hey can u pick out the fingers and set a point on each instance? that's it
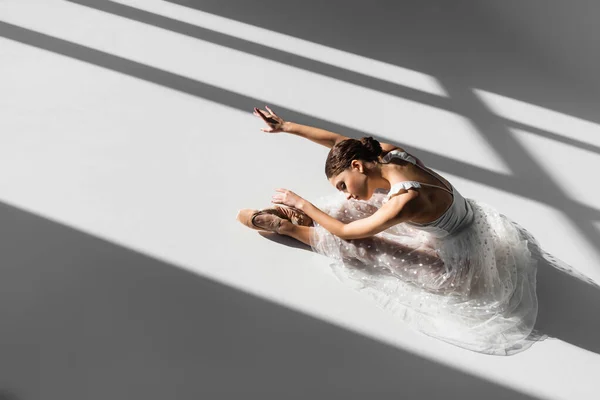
(272, 122)
(260, 114)
(281, 196)
(277, 199)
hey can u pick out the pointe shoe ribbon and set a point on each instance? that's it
(248, 217)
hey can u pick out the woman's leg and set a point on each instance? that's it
(425, 256)
(301, 233)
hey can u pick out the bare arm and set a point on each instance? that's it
(317, 135)
(391, 213)
(323, 137)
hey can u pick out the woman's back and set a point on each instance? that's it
(432, 201)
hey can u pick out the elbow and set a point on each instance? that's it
(342, 234)
(356, 231)
(351, 235)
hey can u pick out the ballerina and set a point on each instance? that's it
(449, 266)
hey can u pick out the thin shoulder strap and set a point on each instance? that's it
(435, 176)
(403, 155)
(437, 186)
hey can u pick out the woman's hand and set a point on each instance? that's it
(288, 198)
(274, 122)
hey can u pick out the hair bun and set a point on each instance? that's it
(371, 147)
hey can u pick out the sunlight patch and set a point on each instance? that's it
(236, 73)
(542, 118)
(289, 44)
(570, 167)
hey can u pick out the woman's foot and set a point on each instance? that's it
(263, 220)
(294, 215)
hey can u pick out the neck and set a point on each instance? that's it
(382, 177)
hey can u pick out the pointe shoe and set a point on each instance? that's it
(292, 214)
(260, 220)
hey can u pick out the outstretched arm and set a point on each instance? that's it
(317, 135)
(391, 213)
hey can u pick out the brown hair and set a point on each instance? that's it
(341, 155)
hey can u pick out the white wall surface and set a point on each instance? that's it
(128, 145)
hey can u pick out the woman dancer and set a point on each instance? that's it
(449, 266)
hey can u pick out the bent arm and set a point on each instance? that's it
(323, 137)
(320, 136)
(390, 214)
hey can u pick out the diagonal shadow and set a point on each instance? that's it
(436, 37)
(465, 104)
(266, 52)
(554, 289)
(307, 64)
(555, 323)
(550, 135)
(561, 295)
(576, 211)
(550, 279)
(84, 318)
(494, 132)
(245, 103)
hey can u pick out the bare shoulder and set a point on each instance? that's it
(403, 196)
(386, 148)
(402, 204)
(391, 147)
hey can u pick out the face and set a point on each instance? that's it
(353, 182)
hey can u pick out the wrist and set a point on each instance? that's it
(302, 205)
(287, 127)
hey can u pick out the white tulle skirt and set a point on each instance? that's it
(474, 289)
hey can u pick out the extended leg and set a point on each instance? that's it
(301, 233)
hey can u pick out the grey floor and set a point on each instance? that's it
(128, 145)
